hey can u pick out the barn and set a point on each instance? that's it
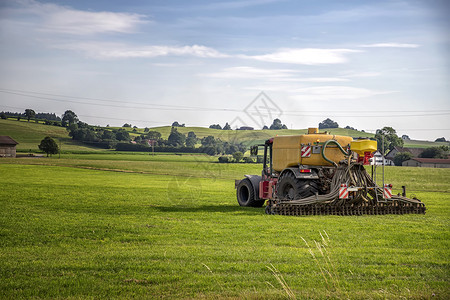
(7, 146)
(427, 163)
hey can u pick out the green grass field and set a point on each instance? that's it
(168, 226)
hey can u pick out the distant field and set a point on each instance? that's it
(424, 144)
(29, 135)
(168, 226)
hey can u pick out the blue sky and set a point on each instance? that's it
(365, 64)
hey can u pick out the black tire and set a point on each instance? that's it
(246, 194)
(291, 188)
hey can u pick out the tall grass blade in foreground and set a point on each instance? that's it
(322, 256)
(289, 293)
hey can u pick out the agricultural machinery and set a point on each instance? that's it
(321, 174)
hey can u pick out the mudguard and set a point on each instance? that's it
(255, 179)
(296, 171)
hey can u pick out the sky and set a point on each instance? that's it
(364, 64)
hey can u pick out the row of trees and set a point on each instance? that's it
(30, 114)
(217, 126)
(110, 138)
(176, 139)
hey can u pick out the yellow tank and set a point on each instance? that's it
(362, 146)
(287, 150)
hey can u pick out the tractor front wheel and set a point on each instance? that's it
(246, 194)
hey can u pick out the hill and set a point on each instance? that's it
(29, 135)
(249, 137)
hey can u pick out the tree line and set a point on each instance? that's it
(120, 139)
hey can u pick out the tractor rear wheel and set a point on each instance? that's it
(246, 194)
(291, 188)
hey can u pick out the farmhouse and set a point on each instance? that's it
(245, 128)
(7, 146)
(414, 151)
(427, 163)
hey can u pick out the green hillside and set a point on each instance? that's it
(423, 144)
(249, 136)
(29, 135)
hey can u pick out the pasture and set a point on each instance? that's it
(168, 226)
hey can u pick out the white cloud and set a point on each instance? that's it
(271, 75)
(251, 73)
(116, 50)
(360, 74)
(335, 93)
(390, 45)
(55, 18)
(306, 56)
(316, 79)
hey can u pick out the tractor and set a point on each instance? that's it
(321, 174)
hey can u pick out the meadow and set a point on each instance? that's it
(90, 226)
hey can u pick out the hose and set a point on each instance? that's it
(352, 175)
(340, 148)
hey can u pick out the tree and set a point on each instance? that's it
(3, 116)
(108, 135)
(208, 141)
(49, 146)
(215, 126)
(176, 124)
(153, 135)
(400, 157)
(227, 127)
(69, 117)
(122, 135)
(276, 125)
(238, 156)
(265, 127)
(191, 139)
(223, 159)
(328, 123)
(126, 125)
(248, 160)
(146, 129)
(29, 113)
(176, 138)
(442, 139)
(405, 137)
(391, 139)
(191, 142)
(435, 152)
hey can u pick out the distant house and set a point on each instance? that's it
(245, 128)
(427, 163)
(378, 157)
(7, 146)
(414, 151)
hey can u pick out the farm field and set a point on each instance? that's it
(168, 226)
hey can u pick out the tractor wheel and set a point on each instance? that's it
(246, 194)
(291, 188)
